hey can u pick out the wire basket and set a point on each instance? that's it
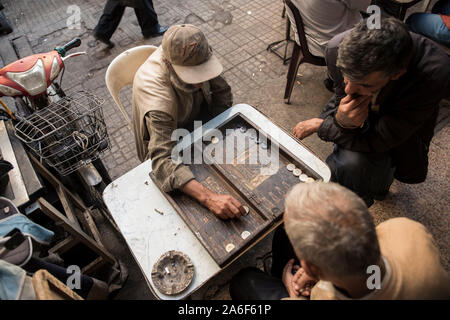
(68, 133)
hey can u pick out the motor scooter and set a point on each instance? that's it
(66, 132)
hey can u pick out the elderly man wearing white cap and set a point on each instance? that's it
(178, 84)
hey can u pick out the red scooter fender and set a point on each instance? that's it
(30, 76)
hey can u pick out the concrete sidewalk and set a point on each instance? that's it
(239, 32)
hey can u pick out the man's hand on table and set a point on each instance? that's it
(222, 205)
(306, 128)
(353, 111)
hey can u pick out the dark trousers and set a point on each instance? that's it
(113, 12)
(253, 284)
(369, 175)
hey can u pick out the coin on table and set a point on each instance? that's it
(309, 180)
(247, 210)
(303, 177)
(245, 234)
(290, 167)
(229, 247)
(214, 140)
(297, 172)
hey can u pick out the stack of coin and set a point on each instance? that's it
(299, 173)
(290, 167)
(303, 177)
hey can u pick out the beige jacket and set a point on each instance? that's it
(413, 266)
(159, 107)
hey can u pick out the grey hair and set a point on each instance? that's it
(331, 227)
(364, 50)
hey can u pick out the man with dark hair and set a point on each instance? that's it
(388, 84)
(337, 253)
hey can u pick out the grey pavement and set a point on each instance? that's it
(239, 32)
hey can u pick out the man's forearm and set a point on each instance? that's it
(169, 174)
(197, 191)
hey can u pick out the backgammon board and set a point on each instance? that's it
(248, 155)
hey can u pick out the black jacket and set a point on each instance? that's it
(408, 109)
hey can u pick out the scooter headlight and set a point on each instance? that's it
(33, 80)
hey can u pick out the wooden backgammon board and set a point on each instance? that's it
(241, 178)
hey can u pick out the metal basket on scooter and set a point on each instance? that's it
(68, 133)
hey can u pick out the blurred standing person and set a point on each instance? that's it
(113, 12)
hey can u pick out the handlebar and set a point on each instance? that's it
(70, 45)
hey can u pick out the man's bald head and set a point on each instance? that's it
(331, 227)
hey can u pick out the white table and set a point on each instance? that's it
(133, 198)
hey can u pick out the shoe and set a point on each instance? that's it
(109, 43)
(5, 28)
(159, 32)
(328, 83)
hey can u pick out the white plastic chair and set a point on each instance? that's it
(121, 71)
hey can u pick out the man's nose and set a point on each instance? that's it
(351, 88)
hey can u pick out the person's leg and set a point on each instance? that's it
(442, 7)
(109, 21)
(148, 19)
(429, 25)
(369, 175)
(282, 252)
(61, 274)
(253, 284)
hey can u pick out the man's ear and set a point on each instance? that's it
(399, 74)
(310, 269)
